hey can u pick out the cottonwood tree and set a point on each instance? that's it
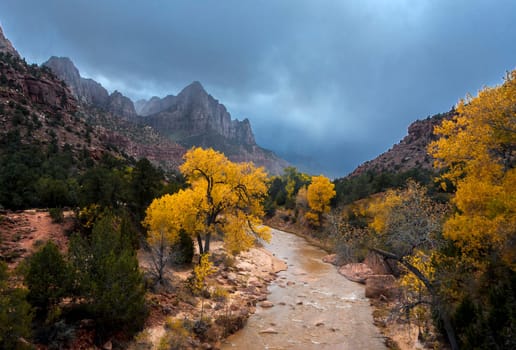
(319, 194)
(409, 225)
(477, 148)
(164, 219)
(224, 198)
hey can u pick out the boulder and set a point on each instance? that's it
(356, 272)
(266, 304)
(381, 286)
(380, 266)
(330, 259)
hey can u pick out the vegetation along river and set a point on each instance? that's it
(314, 306)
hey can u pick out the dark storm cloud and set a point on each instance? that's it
(332, 83)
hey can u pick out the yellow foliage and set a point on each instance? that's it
(423, 262)
(223, 198)
(380, 209)
(201, 272)
(407, 219)
(312, 218)
(89, 215)
(319, 194)
(478, 147)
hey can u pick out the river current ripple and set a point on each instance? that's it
(314, 306)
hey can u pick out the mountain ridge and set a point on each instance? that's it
(89, 91)
(192, 118)
(410, 153)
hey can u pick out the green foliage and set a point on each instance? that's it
(183, 249)
(145, 184)
(15, 314)
(362, 186)
(56, 214)
(47, 277)
(104, 184)
(283, 189)
(108, 277)
(484, 316)
(35, 176)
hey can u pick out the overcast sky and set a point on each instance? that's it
(326, 83)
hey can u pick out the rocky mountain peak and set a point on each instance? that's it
(6, 46)
(85, 90)
(118, 104)
(89, 91)
(410, 152)
(194, 117)
(64, 68)
(194, 89)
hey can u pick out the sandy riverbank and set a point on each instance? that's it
(242, 281)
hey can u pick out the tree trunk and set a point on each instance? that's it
(199, 242)
(207, 243)
(448, 327)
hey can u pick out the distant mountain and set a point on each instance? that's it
(195, 118)
(38, 108)
(410, 153)
(90, 92)
(154, 105)
(192, 118)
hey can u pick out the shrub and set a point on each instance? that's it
(183, 250)
(47, 277)
(219, 294)
(109, 277)
(176, 337)
(15, 314)
(56, 214)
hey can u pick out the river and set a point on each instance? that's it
(314, 306)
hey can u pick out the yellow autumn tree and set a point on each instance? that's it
(165, 216)
(224, 198)
(408, 225)
(478, 149)
(319, 194)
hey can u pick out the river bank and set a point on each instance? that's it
(398, 334)
(202, 322)
(310, 306)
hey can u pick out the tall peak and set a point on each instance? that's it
(6, 46)
(62, 67)
(195, 88)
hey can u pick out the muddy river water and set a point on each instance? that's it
(314, 306)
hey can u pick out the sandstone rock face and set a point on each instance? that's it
(122, 106)
(90, 92)
(154, 105)
(378, 286)
(85, 90)
(43, 89)
(6, 46)
(409, 153)
(195, 118)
